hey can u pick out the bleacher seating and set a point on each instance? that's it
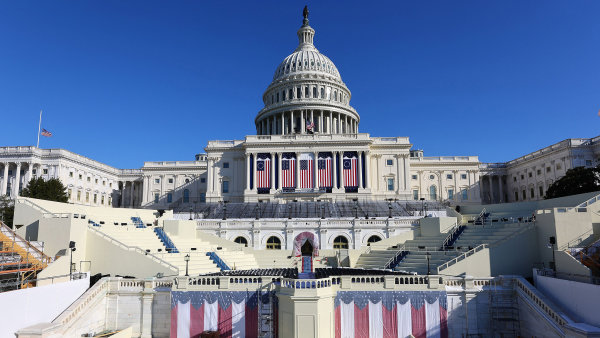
(215, 258)
(165, 240)
(307, 209)
(138, 222)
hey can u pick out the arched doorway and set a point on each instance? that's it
(273, 243)
(307, 249)
(373, 239)
(340, 242)
(306, 246)
(241, 240)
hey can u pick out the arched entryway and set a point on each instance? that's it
(307, 249)
(306, 246)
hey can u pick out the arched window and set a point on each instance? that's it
(306, 92)
(273, 243)
(241, 240)
(314, 92)
(283, 95)
(291, 92)
(433, 192)
(340, 242)
(373, 239)
(186, 196)
(335, 96)
(322, 93)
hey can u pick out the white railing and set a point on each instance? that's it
(33, 205)
(577, 240)
(312, 223)
(525, 290)
(461, 257)
(133, 248)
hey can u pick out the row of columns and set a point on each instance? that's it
(17, 181)
(132, 193)
(337, 164)
(327, 122)
(490, 179)
(441, 186)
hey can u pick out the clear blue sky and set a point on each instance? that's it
(125, 82)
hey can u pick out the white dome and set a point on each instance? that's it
(306, 61)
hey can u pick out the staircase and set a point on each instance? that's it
(138, 222)
(215, 258)
(375, 259)
(165, 240)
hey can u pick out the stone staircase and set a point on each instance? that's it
(375, 259)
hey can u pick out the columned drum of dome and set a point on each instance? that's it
(307, 95)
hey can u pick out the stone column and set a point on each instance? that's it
(500, 197)
(334, 168)
(17, 180)
(441, 179)
(367, 164)
(420, 173)
(131, 194)
(5, 178)
(399, 169)
(279, 170)
(255, 160)
(316, 172)
(297, 174)
(291, 128)
(122, 199)
(268, 122)
(455, 173)
(342, 185)
(312, 119)
(321, 129)
(339, 124)
(28, 173)
(491, 178)
(282, 123)
(272, 172)
(248, 173)
(406, 178)
(360, 166)
(209, 178)
(378, 178)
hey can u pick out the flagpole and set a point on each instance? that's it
(39, 130)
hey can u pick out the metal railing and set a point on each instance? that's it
(461, 257)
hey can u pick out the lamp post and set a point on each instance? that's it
(190, 213)
(187, 261)
(423, 206)
(322, 211)
(224, 210)
(289, 211)
(257, 212)
(356, 209)
(389, 209)
(428, 257)
(71, 248)
(552, 242)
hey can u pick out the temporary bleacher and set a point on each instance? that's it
(307, 209)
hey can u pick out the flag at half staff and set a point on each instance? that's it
(46, 133)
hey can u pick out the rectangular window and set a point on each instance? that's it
(103, 182)
(463, 176)
(523, 195)
(531, 193)
(558, 166)
(449, 176)
(156, 195)
(225, 165)
(110, 184)
(541, 191)
(539, 172)
(416, 195)
(514, 178)
(70, 192)
(530, 174)
(169, 198)
(95, 198)
(390, 184)
(109, 200)
(450, 194)
(96, 181)
(203, 197)
(87, 197)
(414, 177)
(45, 171)
(202, 180)
(548, 169)
(89, 179)
(70, 174)
(225, 187)
(516, 196)
(465, 195)
(102, 200)
(522, 176)
(79, 195)
(389, 162)
(157, 180)
(34, 171)
(170, 180)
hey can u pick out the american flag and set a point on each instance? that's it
(288, 172)
(325, 171)
(350, 171)
(263, 173)
(306, 171)
(310, 125)
(46, 133)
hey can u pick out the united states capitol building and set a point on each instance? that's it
(310, 228)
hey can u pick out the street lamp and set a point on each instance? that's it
(224, 210)
(322, 210)
(187, 261)
(356, 209)
(428, 257)
(289, 211)
(71, 248)
(389, 209)
(190, 213)
(422, 206)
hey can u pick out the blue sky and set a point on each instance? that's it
(125, 82)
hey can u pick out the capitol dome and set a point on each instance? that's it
(307, 94)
